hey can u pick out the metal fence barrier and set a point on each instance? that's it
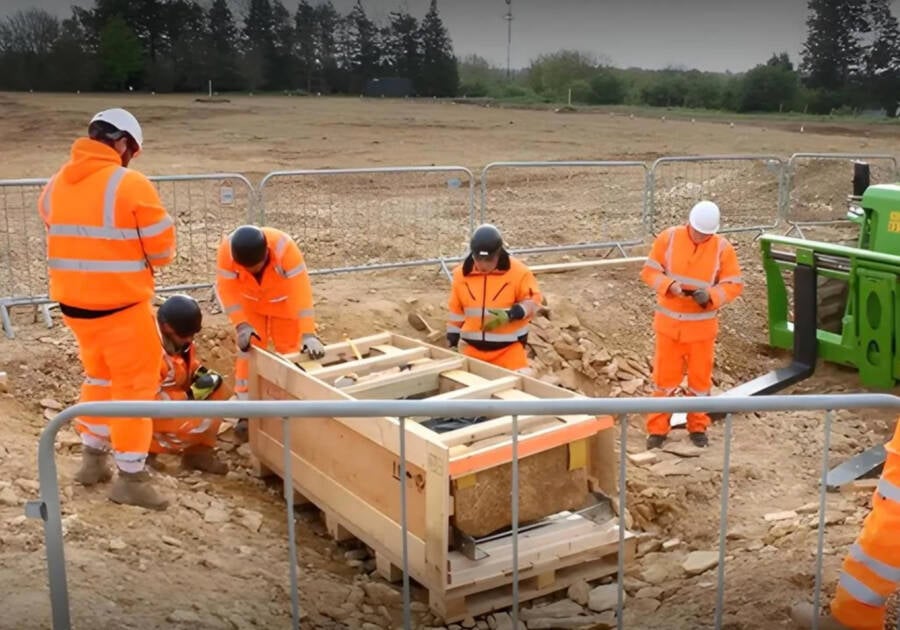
(47, 508)
(813, 200)
(204, 207)
(562, 206)
(357, 219)
(747, 188)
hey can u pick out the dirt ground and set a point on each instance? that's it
(218, 557)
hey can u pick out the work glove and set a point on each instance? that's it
(499, 316)
(675, 289)
(701, 296)
(204, 383)
(313, 347)
(244, 332)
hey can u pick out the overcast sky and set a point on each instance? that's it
(714, 35)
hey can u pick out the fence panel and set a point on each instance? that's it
(204, 207)
(747, 188)
(818, 186)
(372, 218)
(48, 507)
(565, 206)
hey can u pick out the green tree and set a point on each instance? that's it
(120, 54)
(222, 33)
(607, 87)
(439, 72)
(402, 46)
(552, 74)
(832, 49)
(306, 35)
(882, 59)
(771, 86)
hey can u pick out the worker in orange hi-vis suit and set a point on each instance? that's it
(263, 286)
(106, 232)
(870, 573)
(183, 378)
(694, 272)
(493, 298)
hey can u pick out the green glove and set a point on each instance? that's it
(204, 384)
(498, 317)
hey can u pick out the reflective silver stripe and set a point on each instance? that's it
(477, 336)
(860, 591)
(455, 317)
(530, 307)
(231, 275)
(242, 395)
(157, 228)
(169, 379)
(732, 280)
(75, 264)
(721, 248)
(242, 354)
(307, 312)
(164, 440)
(653, 264)
(881, 569)
(281, 246)
(162, 395)
(694, 282)
(659, 281)
(697, 392)
(98, 382)
(720, 293)
(161, 255)
(473, 312)
(109, 197)
(249, 297)
(888, 490)
(282, 298)
(296, 271)
(453, 329)
(241, 382)
(97, 429)
(111, 232)
(130, 456)
(687, 317)
(669, 249)
(233, 308)
(45, 203)
(204, 426)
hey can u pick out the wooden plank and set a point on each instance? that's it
(420, 379)
(478, 390)
(465, 378)
(364, 366)
(386, 348)
(581, 264)
(437, 517)
(339, 351)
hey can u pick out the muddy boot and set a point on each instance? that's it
(137, 489)
(802, 616)
(699, 439)
(154, 463)
(655, 441)
(94, 467)
(241, 430)
(203, 459)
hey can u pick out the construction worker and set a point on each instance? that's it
(694, 272)
(870, 572)
(264, 288)
(493, 298)
(183, 378)
(107, 231)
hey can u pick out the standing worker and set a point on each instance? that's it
(694, 272)
(492, 299)
(263, 285)
(183, 378)
(106, 232)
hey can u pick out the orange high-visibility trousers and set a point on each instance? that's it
(175, 435)
(121, 360)
(871, 570)
(284, 335)
(672, 359)
(512, 357)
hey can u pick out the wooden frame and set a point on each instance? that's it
(457, 481)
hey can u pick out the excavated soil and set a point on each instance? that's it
(218, 557)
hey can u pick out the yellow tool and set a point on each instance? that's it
(353, 347)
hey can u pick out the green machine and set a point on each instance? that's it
(846, 303)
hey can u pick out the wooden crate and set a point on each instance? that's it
(458, 481)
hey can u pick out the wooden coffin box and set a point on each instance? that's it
(458, 471)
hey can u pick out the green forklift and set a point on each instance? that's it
(846, 305)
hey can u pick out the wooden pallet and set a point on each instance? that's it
(458, 482)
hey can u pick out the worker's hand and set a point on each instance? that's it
(205, 382)
(498, 317)
(244, 332)
(675, 289)
(701, 296)
(313, 347)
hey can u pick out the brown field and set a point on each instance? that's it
(121, 572)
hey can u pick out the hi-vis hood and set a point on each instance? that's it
(86, 158)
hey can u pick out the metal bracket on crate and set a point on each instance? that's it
(599, 511)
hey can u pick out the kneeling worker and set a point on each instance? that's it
(492, 299)
(183, 378)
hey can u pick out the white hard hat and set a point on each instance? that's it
(122, 120)
(705, 217)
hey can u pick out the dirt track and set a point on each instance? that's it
(217, 566)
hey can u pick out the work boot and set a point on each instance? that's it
(655, 441)
(699, 438)
(802, 616)
(94, 467)
(242, 430)
(155, 463)
(203, 459)
(136, 489)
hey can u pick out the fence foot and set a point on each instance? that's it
(7, 323)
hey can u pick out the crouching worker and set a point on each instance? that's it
(183, 378)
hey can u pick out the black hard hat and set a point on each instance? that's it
(182, 313)
(248, 245)
(486, 241)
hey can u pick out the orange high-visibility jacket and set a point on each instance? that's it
(472, 293)
(712, 265)
(177, 374)
(283, 291)
(106, 230)
(871, 571)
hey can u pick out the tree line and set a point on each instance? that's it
(850, 62)
(181, 45)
